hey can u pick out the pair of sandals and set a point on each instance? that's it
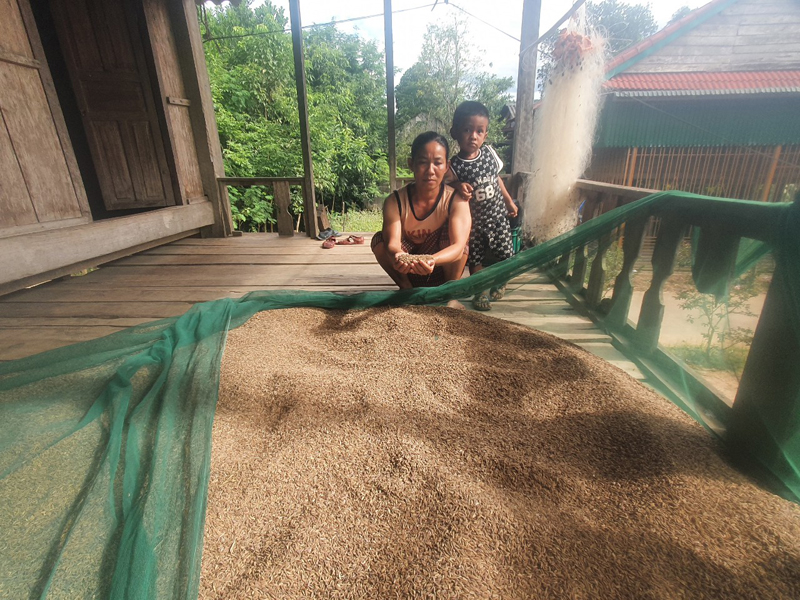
(483, 300)
(348, 241)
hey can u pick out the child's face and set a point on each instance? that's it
(471, 134)
(429, 165)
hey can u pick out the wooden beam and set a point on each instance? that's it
(625, 192)
(776, 156)
(389, 45)
(201, 112)
(28, 257)
(632, 171)
(522, 158)
(309, 203)
(282, 201)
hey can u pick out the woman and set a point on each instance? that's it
(425, 217)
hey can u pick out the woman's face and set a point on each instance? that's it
(429, 165)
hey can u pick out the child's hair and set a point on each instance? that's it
(468, 109)
(423, 139)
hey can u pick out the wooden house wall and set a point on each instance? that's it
(747, 35)
(40, 185)
(175, 102)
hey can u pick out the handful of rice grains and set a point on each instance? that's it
(413, 258)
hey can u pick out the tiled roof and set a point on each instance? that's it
(706, 83)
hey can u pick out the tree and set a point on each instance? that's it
(723, 346)
(251, 68)
(620, 23)
(679, 14)
(447, 72)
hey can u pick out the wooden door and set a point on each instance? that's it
(104, 55)
(40, 186)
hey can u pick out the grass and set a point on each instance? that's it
(730, 359)
(357, 220)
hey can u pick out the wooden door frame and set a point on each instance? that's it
(130, 12)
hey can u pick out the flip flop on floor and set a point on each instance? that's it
(351, 239)
(329, 243)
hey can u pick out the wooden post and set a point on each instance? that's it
(578, 269)
(201, 112)
(522, 158)
(632, 170)
(665, 252)
(771, 175)
(562, 266)
(764, 419)
(389, 44)
(282, 200)
(309, 203)
(597, 276)
(623, 288)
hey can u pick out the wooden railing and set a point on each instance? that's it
(769, 374)
(282, 197)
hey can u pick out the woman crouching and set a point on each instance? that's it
(426, 224)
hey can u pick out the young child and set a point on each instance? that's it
(474, 172)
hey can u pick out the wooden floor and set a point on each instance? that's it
(166, 281)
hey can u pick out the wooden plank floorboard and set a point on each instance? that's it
(121, 293)
(256, 250)
(286, 276)
(167, 280)
(242, 259)
(152, 310)
(39, 323)
(36, 340)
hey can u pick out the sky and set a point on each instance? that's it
(500, 50)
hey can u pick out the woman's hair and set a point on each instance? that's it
(423, 139)
(468, 109)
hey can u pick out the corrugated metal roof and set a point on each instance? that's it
(639, 122)
(704, 82)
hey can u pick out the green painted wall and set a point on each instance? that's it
(698, 121)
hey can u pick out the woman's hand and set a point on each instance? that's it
(423, 267)
(418, 267)
(401, 266)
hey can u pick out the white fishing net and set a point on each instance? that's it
(564, 130)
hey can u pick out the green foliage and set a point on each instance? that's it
(613, 259)
(251, 68)
(724, 347)
(679, 14)
(621, 24)
(447, 73)
(357, 220)
(731, 358)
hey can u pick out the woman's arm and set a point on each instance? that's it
(393, 233)
(459, 227)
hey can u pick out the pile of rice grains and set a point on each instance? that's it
(428, 452)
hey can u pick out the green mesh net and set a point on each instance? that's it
(105, 445)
